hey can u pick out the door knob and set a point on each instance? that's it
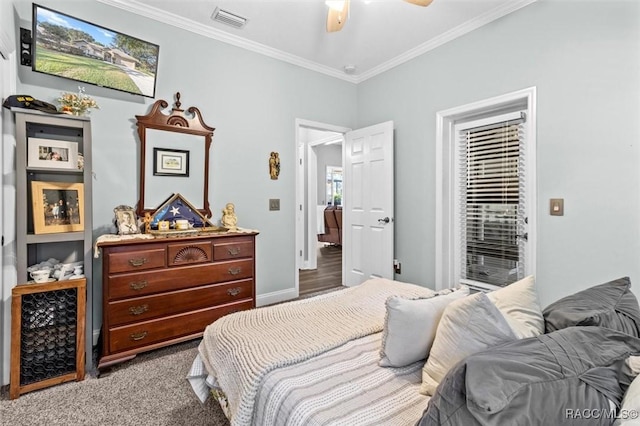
(384, 220)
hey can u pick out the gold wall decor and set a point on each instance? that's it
(57, 207)
(274, 165)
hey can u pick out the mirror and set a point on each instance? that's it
(174, 157)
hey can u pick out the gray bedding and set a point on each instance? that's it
(546, 380)
(610, 305)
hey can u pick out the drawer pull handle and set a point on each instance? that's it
(138, 262)
(138, 310)
(234, 291)
(235, 271)
(234, 251)
(138, 336)
(138, 285)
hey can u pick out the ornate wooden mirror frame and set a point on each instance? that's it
(178, 122)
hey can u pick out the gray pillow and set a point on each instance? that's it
(410, 326)
(610, 305)
(550, 379)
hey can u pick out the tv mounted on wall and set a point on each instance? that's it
(79, 50)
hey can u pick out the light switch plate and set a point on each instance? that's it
(274, 203)
(556, 207)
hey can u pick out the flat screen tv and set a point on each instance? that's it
(79, 50)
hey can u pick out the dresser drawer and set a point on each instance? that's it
(142, 308)
(136, 260)
(232, 249)
(144, 283)
(153, 331)
(188, 253)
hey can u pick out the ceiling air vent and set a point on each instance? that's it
(228, 18)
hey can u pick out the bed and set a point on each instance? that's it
(393, 353)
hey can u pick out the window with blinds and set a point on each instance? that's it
(492, 202)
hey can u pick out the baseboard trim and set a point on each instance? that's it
(276, 297)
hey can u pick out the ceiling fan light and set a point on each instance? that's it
(423, 3)
(337, 17)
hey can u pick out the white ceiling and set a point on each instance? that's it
(378, 35)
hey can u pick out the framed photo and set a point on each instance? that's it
(170, 162)
(52, 154)
(126, 220)
(57, 207)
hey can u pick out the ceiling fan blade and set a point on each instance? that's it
(336, 18)
(423, 3)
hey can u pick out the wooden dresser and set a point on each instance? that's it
(164, 291)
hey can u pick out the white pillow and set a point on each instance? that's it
(519, 304)
(467, 326)
(631, 366)
(410, 327)
(630, 408)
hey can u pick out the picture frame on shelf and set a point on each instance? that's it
(52, 154)
(170, 162)
(57, 207)
(126, 220)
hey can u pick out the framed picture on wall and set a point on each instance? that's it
(170, 162)
(52, 154)
(57, 207)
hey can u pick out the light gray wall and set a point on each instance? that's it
(250, 99)
(584, 59)
(7, 206)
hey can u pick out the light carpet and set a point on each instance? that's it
(151, 389)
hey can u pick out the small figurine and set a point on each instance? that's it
(147, 222)
(274, 165)
(229, 219)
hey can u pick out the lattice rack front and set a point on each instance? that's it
(47, 335)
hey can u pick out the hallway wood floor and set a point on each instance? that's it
(328, 274)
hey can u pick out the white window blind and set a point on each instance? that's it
(492, 202)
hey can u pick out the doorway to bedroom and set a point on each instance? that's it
(328, 272)
(320, 181)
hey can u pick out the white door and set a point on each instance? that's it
(368, 204)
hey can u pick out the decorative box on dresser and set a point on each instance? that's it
(162, 291)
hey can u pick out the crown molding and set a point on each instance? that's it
(197, 28)
(446, 37)
(174, 20)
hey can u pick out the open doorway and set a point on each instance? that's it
(320, 200)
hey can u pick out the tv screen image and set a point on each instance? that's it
(79, 50)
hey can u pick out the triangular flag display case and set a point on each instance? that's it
(177, 208)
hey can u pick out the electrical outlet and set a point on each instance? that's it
(397, 266)
(274, 204)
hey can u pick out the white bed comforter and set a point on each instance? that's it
(240, 349)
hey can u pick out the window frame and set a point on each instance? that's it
(459, 189)
(448, 245)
